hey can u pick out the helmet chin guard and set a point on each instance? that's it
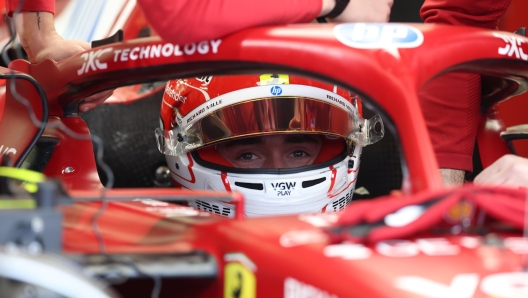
(327, 188)
(198, 113)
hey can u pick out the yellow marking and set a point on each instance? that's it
(274, 79)
(239, 282)
(29, 178)
(22, 174)
(18, 204)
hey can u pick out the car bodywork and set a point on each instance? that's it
(290, 256)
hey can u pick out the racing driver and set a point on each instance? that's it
(290, 144)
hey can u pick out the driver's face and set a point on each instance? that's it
(272, 152)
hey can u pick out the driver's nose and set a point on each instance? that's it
(274, 162)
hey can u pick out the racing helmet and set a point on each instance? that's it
(199, 116)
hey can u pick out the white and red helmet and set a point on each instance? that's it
(199, 113)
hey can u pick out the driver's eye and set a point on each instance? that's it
(299, 154)
(247, 156)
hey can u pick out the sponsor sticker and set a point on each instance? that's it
(93, 62)
(276, 90)
(6, 150)
(284, 188)
(377, 36)
(512, 47)
(394, 248)
(206, 80)
(320, 220)
(348, 251)
(502, 284)
(297, 289)
(274, 79)
(302, 237)
(222, 101)
(174, 94)
(166, 50)
(152, 203)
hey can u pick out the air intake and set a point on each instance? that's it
(311, 183)
(255, 186)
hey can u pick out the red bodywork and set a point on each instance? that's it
(292, 255)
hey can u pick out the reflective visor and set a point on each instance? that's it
(268, 115)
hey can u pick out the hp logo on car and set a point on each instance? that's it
(377, 36)
(276, 90)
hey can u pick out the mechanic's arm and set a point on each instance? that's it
(37, 34)
(509, 170)
(481, 13)
(451, 103)
(36, 30)
(180, 21)
(189, 21)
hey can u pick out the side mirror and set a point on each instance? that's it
(517, 132)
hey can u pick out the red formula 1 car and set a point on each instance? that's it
(418, 241)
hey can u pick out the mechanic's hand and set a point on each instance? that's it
(36, 31)
(509, 170)
(56, 48)
(93, 101)
(39, 39)
(361, 11)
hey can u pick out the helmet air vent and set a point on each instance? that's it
(311, 183)
(255, 186)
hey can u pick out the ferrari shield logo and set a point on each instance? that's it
(239, 282)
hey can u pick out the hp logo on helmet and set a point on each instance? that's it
(276, 90)
(376, 36)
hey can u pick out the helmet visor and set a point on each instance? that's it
(267, 115)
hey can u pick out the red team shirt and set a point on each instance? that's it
(176, 21)
(450, 103)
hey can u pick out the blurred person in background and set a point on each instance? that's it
(451, 103)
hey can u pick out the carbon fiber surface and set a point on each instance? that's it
(127, 131)
(380, 170)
